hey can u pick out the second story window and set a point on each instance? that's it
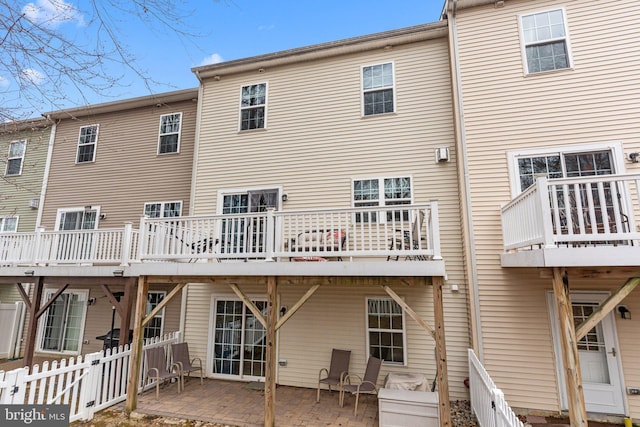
(163, 209)
(377, 87)
(9, 224)
(545, 40)
(15, 158)
(87, 142)
(253, 104)
(169, 139)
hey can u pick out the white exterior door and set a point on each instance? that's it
(599, 356)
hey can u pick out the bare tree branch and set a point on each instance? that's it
(51, 51)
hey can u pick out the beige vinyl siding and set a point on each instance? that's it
(594, 102)
(127, 171)
(334, 317)
(9, 294)
(316, 140)
(16, 191)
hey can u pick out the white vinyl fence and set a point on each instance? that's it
(87, 385)
(487, 400)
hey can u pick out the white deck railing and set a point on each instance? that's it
(87, 384)
(573, 211)
(402, 232)
(487, 401)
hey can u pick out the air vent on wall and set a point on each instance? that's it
(34, 203)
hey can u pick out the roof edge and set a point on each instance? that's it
(123, 104)
(20, 125)
(323, 50)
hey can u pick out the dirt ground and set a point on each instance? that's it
(117, 417)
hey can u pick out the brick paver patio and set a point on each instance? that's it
(242, 404)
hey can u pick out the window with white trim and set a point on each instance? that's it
(155, 327)
(546, 43)
(563, 165)
(585, 207)
(87, 142)
(386, 330)
(62, 324)
(9, 224)
(381, 192)
(15, 158)
(377, 88)
(169, 134)
(163, 209)
(253, 106)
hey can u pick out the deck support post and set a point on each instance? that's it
(125, 318)
(441, 353)
(135, 360)
(33, 308)
(270, 365)
(569, 346)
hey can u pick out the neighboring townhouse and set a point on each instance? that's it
(547, 106)
(109, 164)
(315, 134)
(24, 145)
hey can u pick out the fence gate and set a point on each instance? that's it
(10, 386)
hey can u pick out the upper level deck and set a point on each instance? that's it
(574, 222)
(368, 241)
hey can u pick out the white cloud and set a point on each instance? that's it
(52, 13)
(266, 27)
(32, 76)
(214, 58)
(4, 83)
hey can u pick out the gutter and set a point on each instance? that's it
(325, 50)
(45, 176)
(463, 174)
(466, 4)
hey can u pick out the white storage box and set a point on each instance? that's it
(407, 408)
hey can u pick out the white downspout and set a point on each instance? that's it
(192, 197)
(45, 177)
(476, 320)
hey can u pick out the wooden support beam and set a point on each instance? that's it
(441, 353)
(250, 305)
(606, 307)
(270, 362)
(616, 273)
(30, 342)
(569, 347)
(162, 304)
(410, 311)
(125, 317)
(296, 306)
(47, 304)
(135, 360)
(25, 297)
(112, 299)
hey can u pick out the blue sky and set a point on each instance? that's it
(232, 29)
